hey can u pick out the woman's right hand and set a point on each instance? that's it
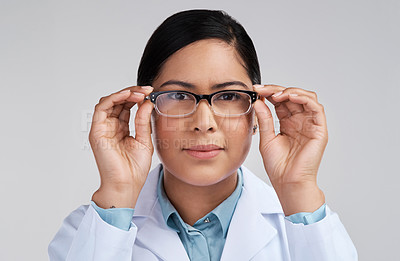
(123, 161)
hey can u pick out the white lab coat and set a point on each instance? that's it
(258, 231)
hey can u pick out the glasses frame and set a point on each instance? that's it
(153, 98)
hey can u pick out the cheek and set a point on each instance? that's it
(166, 134)
(164, 124)
(238, 134)
(237, 126)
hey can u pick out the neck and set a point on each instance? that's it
(194, 202)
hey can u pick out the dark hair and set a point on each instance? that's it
(186, 27)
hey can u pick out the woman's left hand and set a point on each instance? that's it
(292, 158)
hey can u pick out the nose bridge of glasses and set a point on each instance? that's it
(205, 97)
(203, 114)
(207, 102)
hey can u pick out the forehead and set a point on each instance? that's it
(204, 64)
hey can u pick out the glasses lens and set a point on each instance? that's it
(231, 103)
(176, 103)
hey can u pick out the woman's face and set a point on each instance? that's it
(202, 64)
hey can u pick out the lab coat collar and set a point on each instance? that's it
(248, 232)
(248, 223)
(264, 196)
(153, 232)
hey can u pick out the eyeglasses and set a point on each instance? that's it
(183, 103)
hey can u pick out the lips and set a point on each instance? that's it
(207, 147)
(204, 151)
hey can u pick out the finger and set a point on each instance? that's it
(133, 99)
(293, 108)
(281, 108)
(137, 93)
(312, 107)
(109, 101)
(105, 107)
(268, 89)
(289, 107)
(265, 121)
(271, 100)
(143, 125)
(281, 95)
(116, 110)
(299, 91)
(145, 89)
(126, 112)
(123, 131)
(282, 111)
(124, 120)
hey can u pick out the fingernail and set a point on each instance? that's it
(138, 94)
(126, 91)
(277, 94)
(258, 86)
(147, 87)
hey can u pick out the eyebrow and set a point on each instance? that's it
(215, 86)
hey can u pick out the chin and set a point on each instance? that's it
(203, 180)
(198, 174)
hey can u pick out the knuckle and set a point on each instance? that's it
(294, 88)
(314, 94)
(97, 107)
(91, 138)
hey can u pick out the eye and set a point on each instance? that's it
(229, 96)
(178, 96)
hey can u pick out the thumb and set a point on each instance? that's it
(143, 125)
(265, 120)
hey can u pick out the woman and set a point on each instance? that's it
(199, 96)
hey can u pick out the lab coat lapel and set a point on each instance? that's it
(153, 232)
(249, 231)
(160, 239)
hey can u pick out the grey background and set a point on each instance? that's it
(59, 57)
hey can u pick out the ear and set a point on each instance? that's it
(151, 122)
(255, 122)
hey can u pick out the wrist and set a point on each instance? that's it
(296, 198)
(110, 198)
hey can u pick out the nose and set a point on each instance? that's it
(203, 118)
